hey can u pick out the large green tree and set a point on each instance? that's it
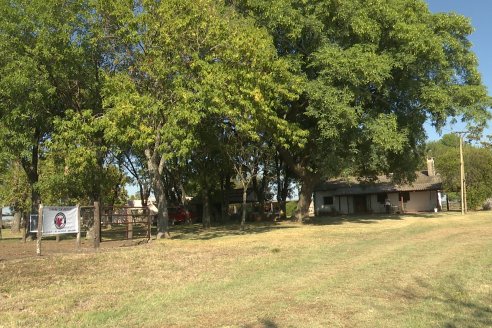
(374, 72)
(190, 62)
(47, 66)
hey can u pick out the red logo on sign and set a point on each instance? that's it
(60, 220)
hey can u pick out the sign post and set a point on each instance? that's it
(79, 220)
(97, 225)
(39, 230)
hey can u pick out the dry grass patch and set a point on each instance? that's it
(336, 272)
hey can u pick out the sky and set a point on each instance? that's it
(479, 13)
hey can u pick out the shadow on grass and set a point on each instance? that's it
(364, 218)
(264, 323)
(459, 307)
(197, 232)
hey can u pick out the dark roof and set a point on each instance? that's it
(235, 197)
(383, 184)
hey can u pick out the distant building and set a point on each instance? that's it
(351, 196)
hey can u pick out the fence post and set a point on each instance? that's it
(149, 223)
(97, 225)
(24, 226)
(40, 230)
(79, 224)
(129, 224)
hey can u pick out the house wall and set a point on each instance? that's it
(394, 200)
(340, 203)
(419, 201)
(374, 206)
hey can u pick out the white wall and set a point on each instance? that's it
(339, 203)
(373, 205)
(419, 201)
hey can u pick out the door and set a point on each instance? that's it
(360, 204)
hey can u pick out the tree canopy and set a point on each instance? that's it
(374, 73)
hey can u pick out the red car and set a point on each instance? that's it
(178, 214)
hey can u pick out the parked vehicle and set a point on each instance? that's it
(178, 215)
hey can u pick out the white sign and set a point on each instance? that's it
(60, 220)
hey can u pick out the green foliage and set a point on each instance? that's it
(200, 63)
(478, 168)
(375, 72)
(47, 66)
(290, 208)
(14, 188)
(77, 168)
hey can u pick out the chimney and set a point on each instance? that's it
(431, 171)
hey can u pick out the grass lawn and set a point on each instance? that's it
(433, 271)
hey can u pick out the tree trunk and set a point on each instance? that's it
(309, 178)
(226, 195)
(282, 186)
(16, 222)
(31, 170)
(206, 209)
(182, 193)
(259, 189)
(243, 214)
(163, 215)
(309, 181)
(144, 194)
(283, 195)
(155, 165)
(1, 221)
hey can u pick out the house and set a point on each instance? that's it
(151, 205)
(351, 196)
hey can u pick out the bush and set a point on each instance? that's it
(290, 208)
(487, 205)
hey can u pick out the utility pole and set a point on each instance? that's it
(462, 174)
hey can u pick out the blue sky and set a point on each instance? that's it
(479, 12)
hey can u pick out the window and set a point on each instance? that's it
(405, 195)
(328, 200)
(382, 198)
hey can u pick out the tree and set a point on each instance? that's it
(244, 154)
(374, 72)
(478, 168)
(284, 178)
(47, 66)
(190, 62)
(15, 191)
(78, 167)
(134, 164)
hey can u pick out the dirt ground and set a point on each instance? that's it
(14, 248)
